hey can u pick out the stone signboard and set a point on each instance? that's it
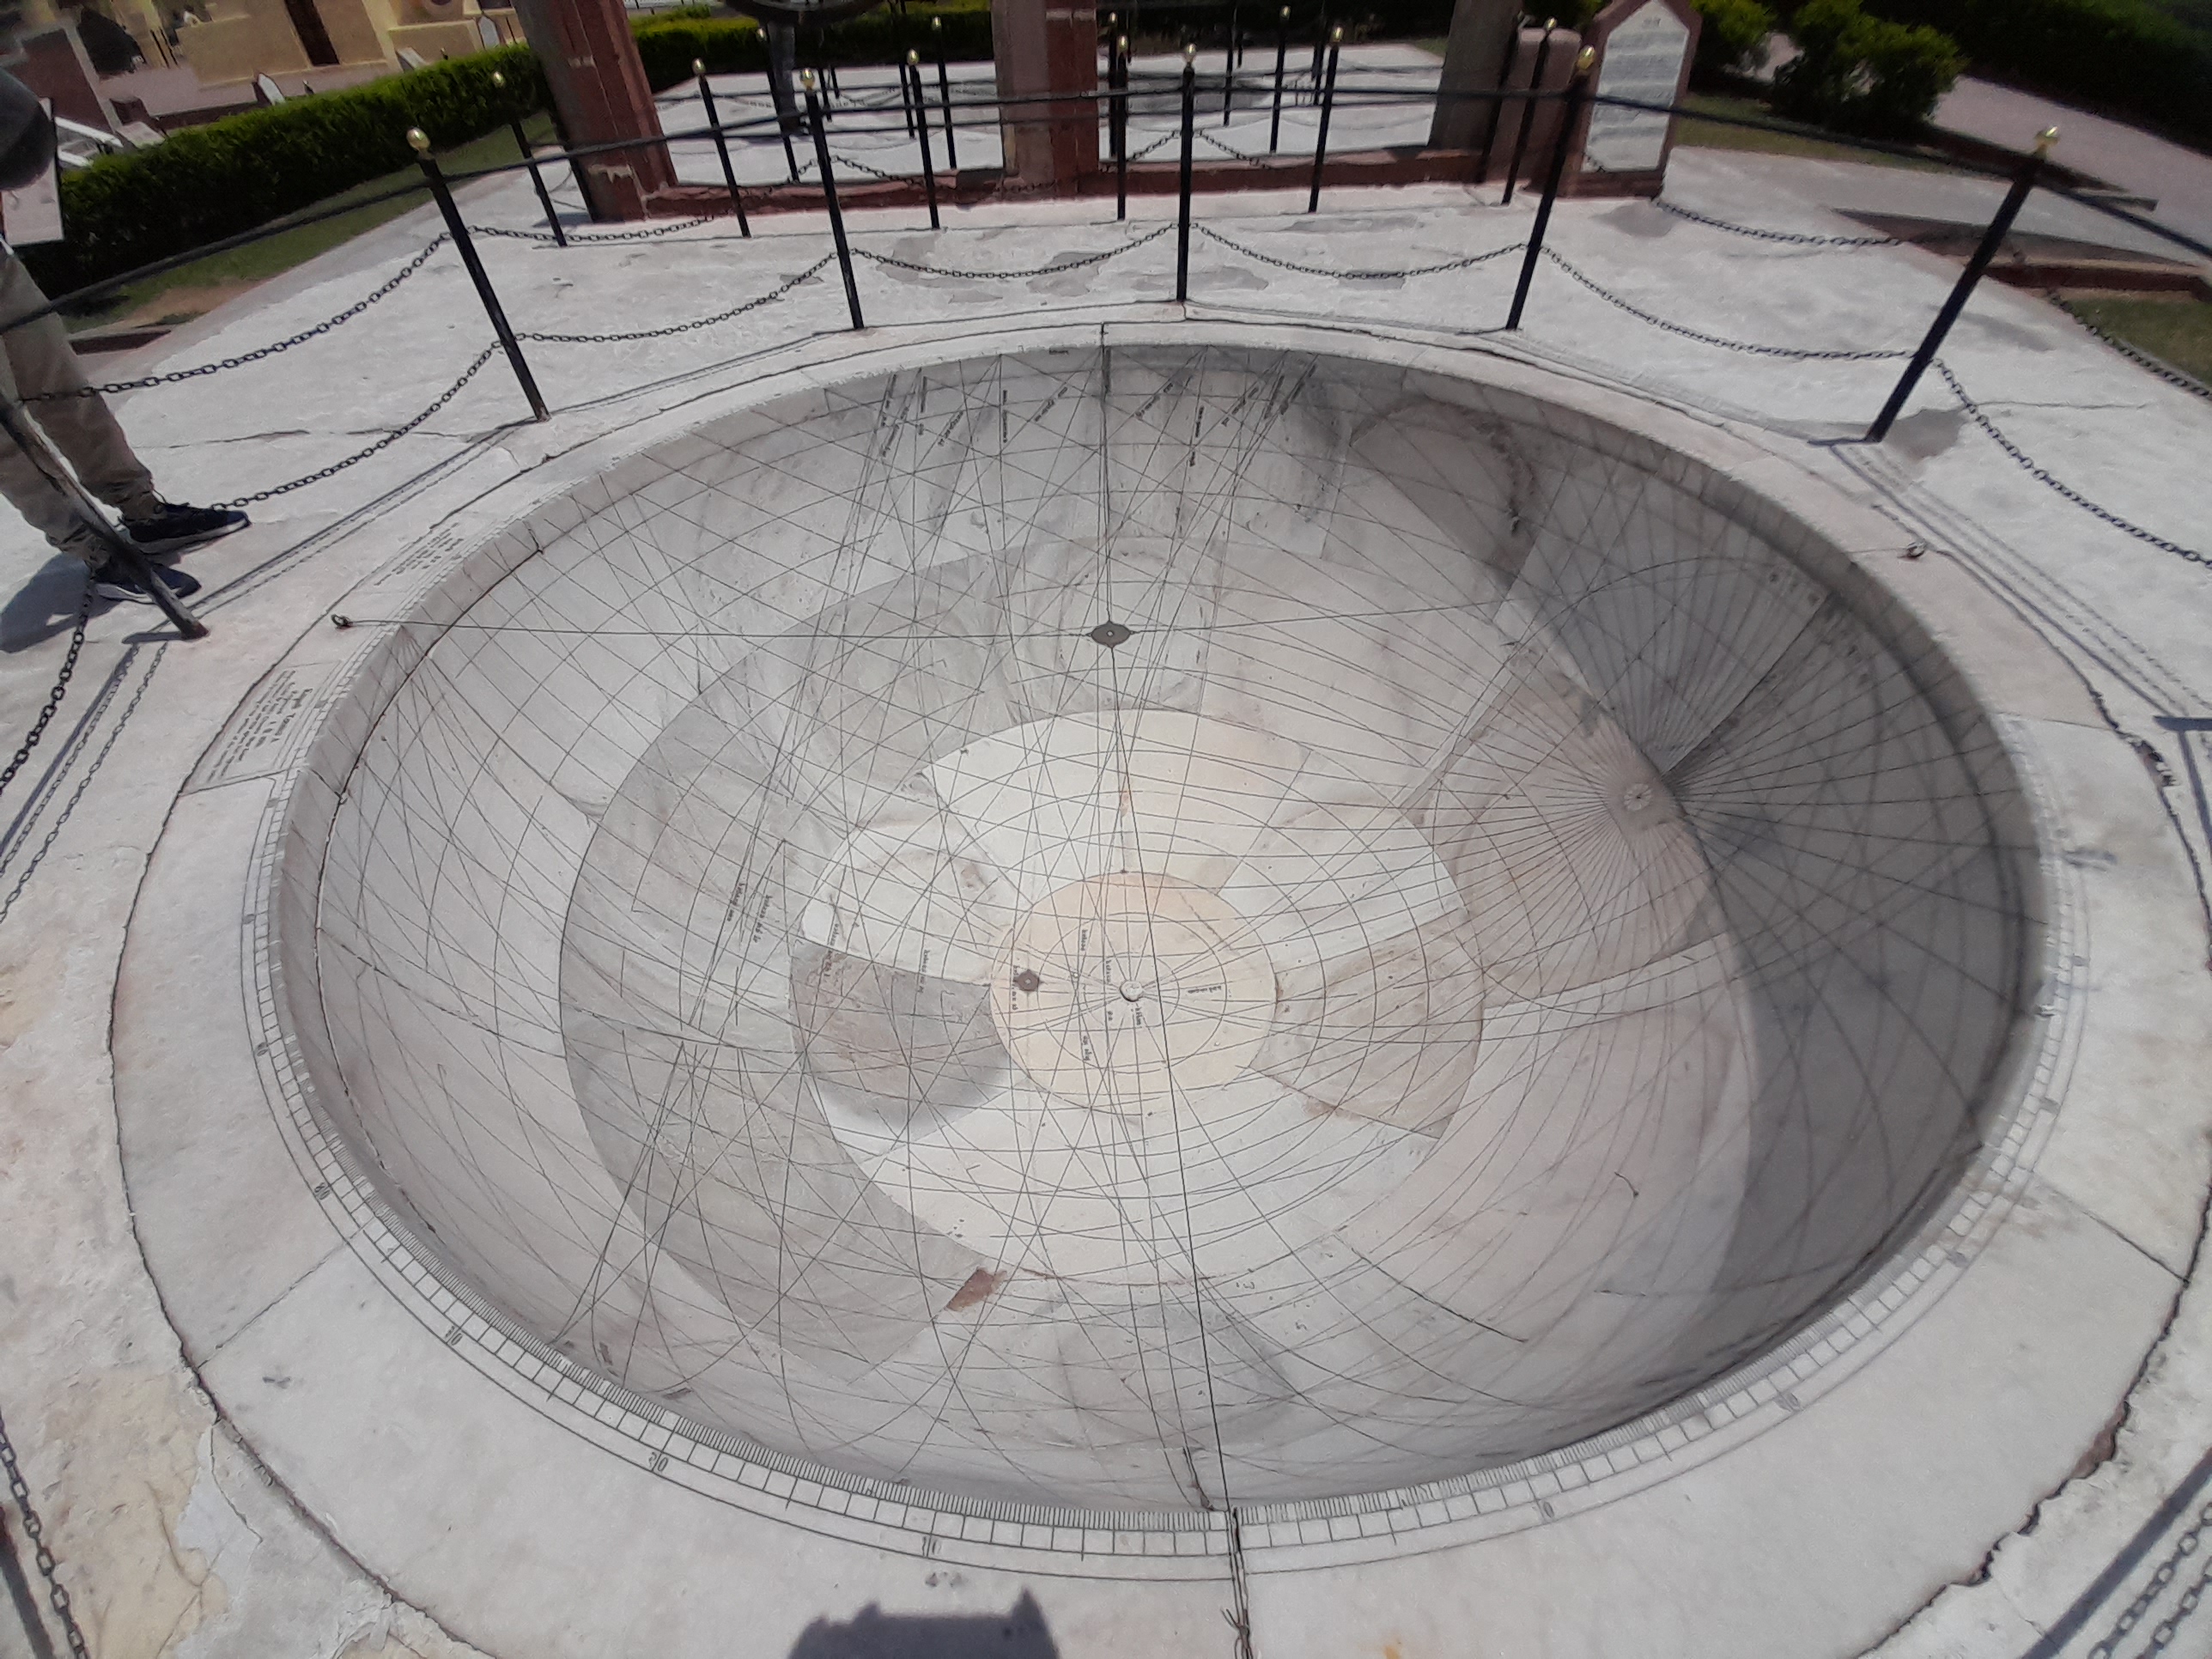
(1644, 48)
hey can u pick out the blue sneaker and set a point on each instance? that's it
(113, 580)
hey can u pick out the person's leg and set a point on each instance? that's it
(23, 481)
(82, 427)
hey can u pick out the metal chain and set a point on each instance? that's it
(1796, 353)
(1794, 238)
(2162, 1632)
(383, 443)
(859, 166)
(34, 1529)
(775, 292)
(1032, 270)
(2041, 476)
(668, 229)
(254, 356)
(53, 697)
(2142, 359)
(2132, 1614)
(1356, 276)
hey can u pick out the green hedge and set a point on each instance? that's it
(670, 43)
(2124, 55)
(212, 181)
(1861, 74)
(1731, 38)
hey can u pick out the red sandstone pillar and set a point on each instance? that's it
(600, 93)
(1048, 50)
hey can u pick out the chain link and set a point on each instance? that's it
(254, 356)
(34, 1529)
(383, 443)
(668, 229)
(1796, 353)
(53, 697)
(774, 294)
(2027, 465)
(1051, 269)
(1212, 234)
(1796, 238)
(2184, 1546)
(2142, 359)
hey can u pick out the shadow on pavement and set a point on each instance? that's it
(44, 606)
(1018, 1633)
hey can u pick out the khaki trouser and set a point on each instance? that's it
(36, 359)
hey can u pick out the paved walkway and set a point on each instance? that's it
(2180, 180)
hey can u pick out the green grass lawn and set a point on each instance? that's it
(1714, 135)
(178, 295)
(2177, 331)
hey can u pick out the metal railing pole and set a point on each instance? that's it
(536, 179)
(1119, 94)
(721, 147)
(806, 80)
(1282, 45)
(1320, 45)
(945, 93)
(922, 131)
(1229, 69)
(1183, 208)
(421, 141)
(908, 106)
(1992, 240)
(118, 545)
(1577, 95)
(1528, 106)
(1327, 103)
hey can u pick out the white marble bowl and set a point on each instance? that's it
(1131, 930)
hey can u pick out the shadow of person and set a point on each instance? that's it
(871, 1633)
(44, 606)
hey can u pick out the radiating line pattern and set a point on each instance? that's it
(1488, 940)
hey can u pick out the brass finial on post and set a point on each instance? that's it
(420, 140)
(2045, 140)
(698, 66)
(806, 80)
(1586, 60)
(498, 79)
(1336, 35)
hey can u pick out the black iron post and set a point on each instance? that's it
(421, 141)
(536, 179)
(909, 106)
(1577, 95)
(120, 547)
(1282, 45)
(1992, 239)
(922, 131)
(830, 195)
(1183, 208)
(721, 146)
(945, 93)
(1320, 45)
(1236, 38)
(1228, 68)
(1120, 94)
(1528, 111)
(1327, 103)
